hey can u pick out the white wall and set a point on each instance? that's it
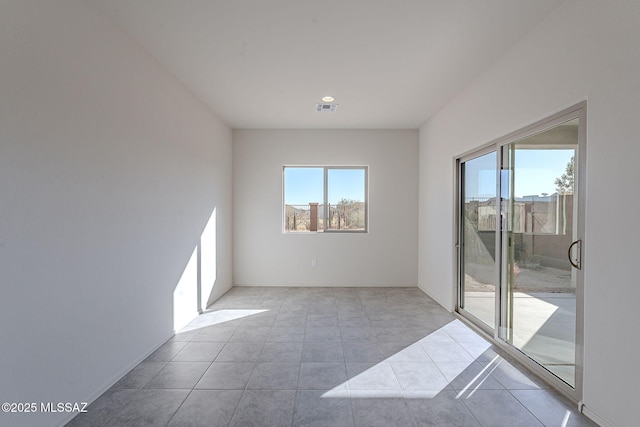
(109, 172)
(387, 255)
(587, 49)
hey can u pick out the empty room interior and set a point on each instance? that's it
(330, 213)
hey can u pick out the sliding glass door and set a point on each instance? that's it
(519, 240)
(478, 273)
(540, 208)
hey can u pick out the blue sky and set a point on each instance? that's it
(536, 171)
(304, 185)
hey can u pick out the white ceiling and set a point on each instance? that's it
(266, 63)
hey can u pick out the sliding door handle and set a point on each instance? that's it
(578, 263)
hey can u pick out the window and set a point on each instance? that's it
(325, 199)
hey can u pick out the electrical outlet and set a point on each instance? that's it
(314, 263)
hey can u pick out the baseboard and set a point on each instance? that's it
(584, 409)
(101, 390)
(447, 307)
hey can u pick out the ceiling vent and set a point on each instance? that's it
(326, 108)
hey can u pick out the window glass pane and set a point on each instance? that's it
(478, 237)
(346, 199)
(303, 187)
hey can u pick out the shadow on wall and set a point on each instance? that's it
(193, 291)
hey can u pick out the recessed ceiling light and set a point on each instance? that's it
(328, 98)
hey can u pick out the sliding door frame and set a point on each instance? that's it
(459, 239)
(578, 111)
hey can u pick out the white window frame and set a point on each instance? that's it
(324, 202)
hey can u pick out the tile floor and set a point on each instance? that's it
(328, 357)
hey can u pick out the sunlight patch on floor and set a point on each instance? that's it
(210, 318)
(414, 371)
